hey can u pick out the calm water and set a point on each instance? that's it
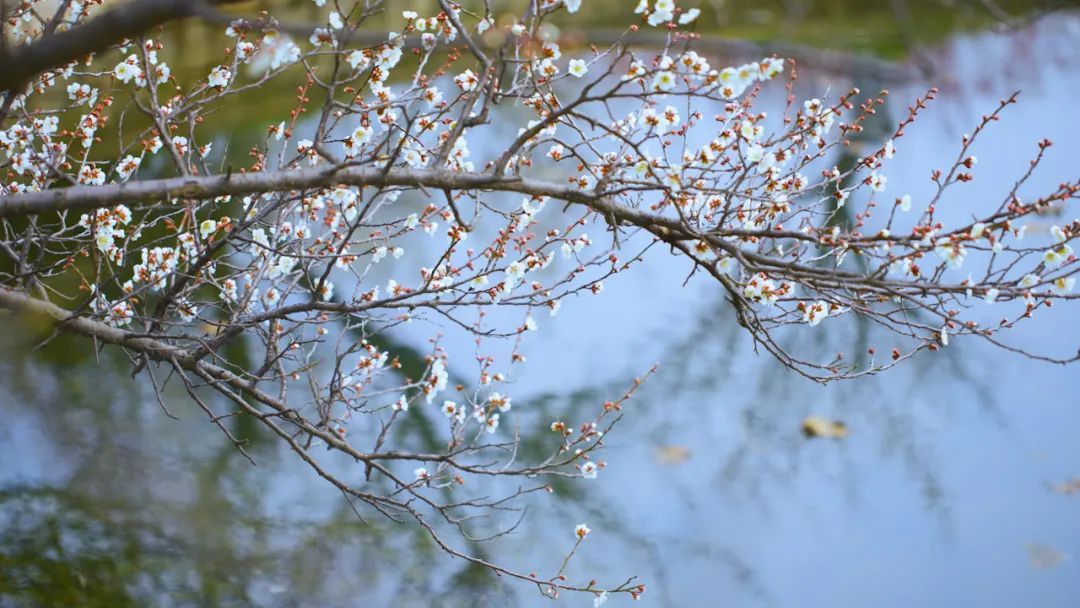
(939, 497)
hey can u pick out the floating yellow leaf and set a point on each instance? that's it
(1066, 488)
(672, 454)
(818, 426)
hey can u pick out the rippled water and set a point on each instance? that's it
(939, 496)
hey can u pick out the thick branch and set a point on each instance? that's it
(64, 320)
(23, 63)
(148, 192)
(668, 229)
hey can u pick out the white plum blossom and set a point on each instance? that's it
(453, 411)
(763, 290)
(414, 156)
(219, 77)
(345, 200)
(815, 312)
(726, 265)
(437, 379)
(499, 401)
(1056, 256)
(581, 531)
(120, 314)
(551, 50)
(1058, 234)
(589, 470)
(228, 290)
(754, 154)
(1063, 286)
(91, 175)
(577, 68)
(359, 137)
(889, 149)
(491, 424)
(277, 50)
(104, 239)
(689, 16)
(514, 273)
(127, 69)
(320, 36)
(466, 81)
(358, 60)
(842, 197)
(751, 131)
(433, 96)
(81, 93)
(128, 166)
(952, 252)
(260, 244)
(207, 228)
(664, 81)
(181, 144)
(244, 50)
(663, 12)
(326, 291)
(281, 267)
(554, 306)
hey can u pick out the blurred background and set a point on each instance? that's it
(954, 484)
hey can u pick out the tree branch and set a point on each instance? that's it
(25, 62)
(147, 192)
(158, 350)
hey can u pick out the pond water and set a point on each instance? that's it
(941, 495)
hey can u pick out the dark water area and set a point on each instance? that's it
(942, 494)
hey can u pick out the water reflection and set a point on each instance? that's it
(713, 495)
